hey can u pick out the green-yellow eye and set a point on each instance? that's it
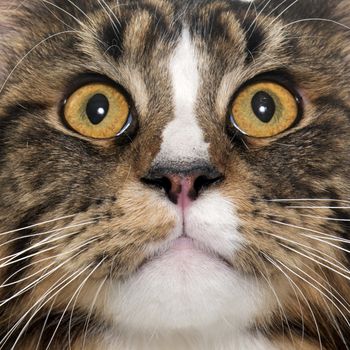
(97, 110)
(264, 109)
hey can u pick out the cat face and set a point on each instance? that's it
(174, 167)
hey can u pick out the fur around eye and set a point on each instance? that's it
(264, 109)
(97, 111)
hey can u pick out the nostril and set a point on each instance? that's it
(182, 185)
(158, 182)
(203, 182)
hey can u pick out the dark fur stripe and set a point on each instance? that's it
(254, 38)
(112, 37)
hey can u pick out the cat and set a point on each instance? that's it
(174, 174)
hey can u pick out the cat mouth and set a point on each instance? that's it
(185, 247)
(185, 243)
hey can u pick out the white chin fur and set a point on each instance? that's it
(185, 290)
(188, 289)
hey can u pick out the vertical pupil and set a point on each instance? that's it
(97, 108)
(263, 106)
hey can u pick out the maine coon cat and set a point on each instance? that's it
(174, 174)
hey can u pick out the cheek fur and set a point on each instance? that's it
(122, 232)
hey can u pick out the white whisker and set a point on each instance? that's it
(276, 264)
(279, 303)
(253, 24)
(38, 224)
(319, 290)
(41, 301)
(91, 310)
(31, 50)
(53, 257)
(283, 200)
(308, 248)
(45, 233)
(52, 238)
(324, 218)
(45, 323)
(316, 261)
(316, 20)
(82, 24)
(326, 280)
(282, 12)
(44, 276)
(11, 261)
(315, 207)
(324, 238)
(75, 294)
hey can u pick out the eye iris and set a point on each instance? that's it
(97, 108)
(263, 106)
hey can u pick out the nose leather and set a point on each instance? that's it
(183, 185)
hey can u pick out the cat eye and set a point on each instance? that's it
(97, 110)
(264, 109)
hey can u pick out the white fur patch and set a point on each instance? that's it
(212, 220)
(194, 341)
(190, 292)
(183, 139)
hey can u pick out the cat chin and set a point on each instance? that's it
(185, 289)
(215, 338)
(188, 284)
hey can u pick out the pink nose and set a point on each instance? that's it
(182, 187)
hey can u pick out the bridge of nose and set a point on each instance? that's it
(183, 138)
(182, 167)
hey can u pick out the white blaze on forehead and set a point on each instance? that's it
(183, 139)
